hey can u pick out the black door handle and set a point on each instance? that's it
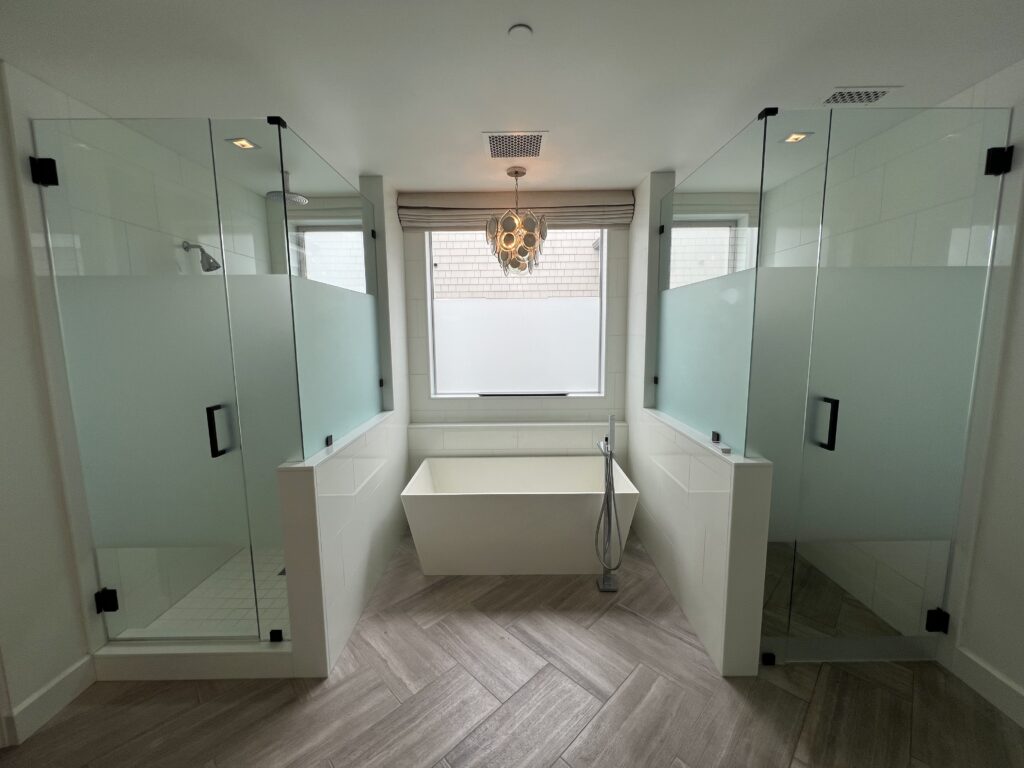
(833, 423)
(211, 428)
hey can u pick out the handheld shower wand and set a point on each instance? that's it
(609, 518)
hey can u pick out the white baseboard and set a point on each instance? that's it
(34, 712)
(190, 661)
(1002, 692)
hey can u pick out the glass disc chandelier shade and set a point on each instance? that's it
(517, 237)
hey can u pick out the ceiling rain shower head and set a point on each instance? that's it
(292, 198)
(206, 262)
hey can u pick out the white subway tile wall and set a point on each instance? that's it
(553, 439)
(130, 202)
(905, 197)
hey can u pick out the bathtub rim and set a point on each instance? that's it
(423, 468)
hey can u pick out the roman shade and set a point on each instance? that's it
(470, 210)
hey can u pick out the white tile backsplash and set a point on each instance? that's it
(513, 439)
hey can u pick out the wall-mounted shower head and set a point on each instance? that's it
(292, 198)
(206, 262)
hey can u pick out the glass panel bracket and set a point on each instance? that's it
(998, 160)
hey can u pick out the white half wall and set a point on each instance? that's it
(703, 516)
(342, 521)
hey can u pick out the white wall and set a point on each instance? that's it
(427, 409)
(42, 638)
(984, 646)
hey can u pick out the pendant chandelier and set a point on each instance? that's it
(515, 237)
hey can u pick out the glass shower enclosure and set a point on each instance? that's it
(847, 357)
(208, 337)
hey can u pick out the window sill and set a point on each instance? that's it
(521, 395)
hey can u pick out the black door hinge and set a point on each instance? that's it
(936, 620)
(43, 171)
(277, 120)
(373, 233)
(998, 160)
(767, 112)
(380, 383)
(661, 230)
(106, 600)
(655, 380)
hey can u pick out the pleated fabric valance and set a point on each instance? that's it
(470, 210)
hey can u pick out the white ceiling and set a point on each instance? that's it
(403, 88)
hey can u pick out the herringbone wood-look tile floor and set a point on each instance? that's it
(534, 671)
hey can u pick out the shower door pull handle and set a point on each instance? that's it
(833, 423)
(211, 428)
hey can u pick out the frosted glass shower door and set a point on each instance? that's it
(147, 347)
(906, 237)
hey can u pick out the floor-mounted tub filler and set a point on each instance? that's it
(512, 515)
(608, 541)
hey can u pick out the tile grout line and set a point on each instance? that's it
(500, 702)
(807, 711)
(600, 709)
(688, 641)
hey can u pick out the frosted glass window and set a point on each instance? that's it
(532, 334)
(702, 250)
(334, 256)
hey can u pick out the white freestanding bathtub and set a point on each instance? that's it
(514, 515)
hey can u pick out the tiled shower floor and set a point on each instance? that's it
(223, 605)
(813, 605)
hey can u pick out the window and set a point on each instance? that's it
(333, 255)
(534, 334)
(702, 250)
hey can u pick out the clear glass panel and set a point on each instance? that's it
(139, 276)
(335, 323)
(255, 252)
(708, 251)
(791, 200)
(907, 231)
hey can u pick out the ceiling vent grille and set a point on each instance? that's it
(856, 95)
(513, 145)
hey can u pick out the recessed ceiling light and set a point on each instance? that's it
(793, 138)
(243, 143)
